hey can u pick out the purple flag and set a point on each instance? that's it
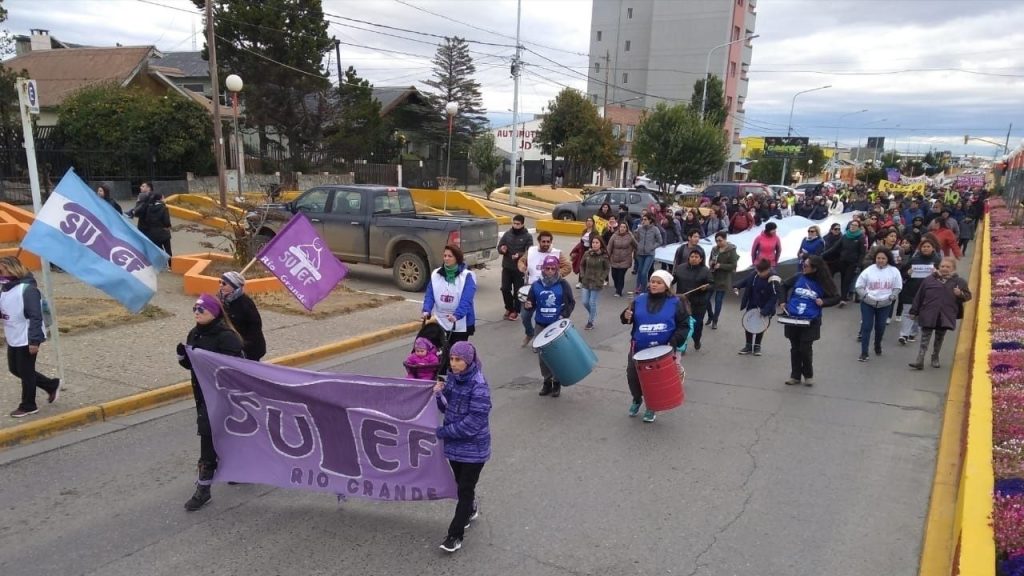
(302, 262)
(892, 175)
(354, 436)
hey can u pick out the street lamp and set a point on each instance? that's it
(707, 69)
(810, 162)
(234, 85)
(789, 126)
(451, 108)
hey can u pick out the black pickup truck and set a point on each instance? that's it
(373, 224)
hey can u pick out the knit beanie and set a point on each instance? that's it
(210, 304)
(234, 279)
(465, 351)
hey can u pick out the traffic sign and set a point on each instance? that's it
(33, 97)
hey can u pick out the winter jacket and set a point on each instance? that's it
(967, 228)
(727, 260)
(850, 248)
(517, 242)
(686, 278)
(714, 225)
(811, 247)
(935, 305)
(948, 242)
(22, 311)
(831, 256)
(654, 305)
(879, 287)
(740, 222)
(213, 337)
(155, 221)
(759, 293)
(682, 256)
(766, 246)
(245, 317)
(648, 239)
(594, 269)
(669, 233)
(466, 404)
(869, 257)
(620, 250)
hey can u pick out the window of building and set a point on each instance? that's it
(597, 66)
(598, 35)
(728, 103)
(736, 33)
(732, 69)
(627, 45)
(629, 13)
(625, 77)
(616, 130)
(629, 133)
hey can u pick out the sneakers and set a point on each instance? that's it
(634, 409)
(589, 326)
(709, 322)
(505, 315)
(53, 396)
(19, 413)
(878, 350)
(630, 292)
(546, 388)
(757, 350)
(451, 544)
(792, 382)
(911, 338)
(473, 516)
(863, 358)
(199, 498)
(902, 340)
(899, 318)
(526, 341)
(714, 325)
(859, 337)
(618, 295)
(649, 416)
(842, 303)
(935, 363)
(745, 350)
(578, 285)
(917, 366)
(556, 389)
(808, 382)
(887, 321)
(513, 316)
(696, 344)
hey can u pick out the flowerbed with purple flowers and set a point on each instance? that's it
(1006, 368)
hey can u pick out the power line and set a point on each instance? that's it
(269, 59)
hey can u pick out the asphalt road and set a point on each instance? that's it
(749, 477)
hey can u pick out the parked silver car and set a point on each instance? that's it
(635, 200)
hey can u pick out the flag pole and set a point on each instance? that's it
(247, 266)
(33, 178)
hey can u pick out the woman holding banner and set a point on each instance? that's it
(465, 400)
(450, 294)
(212, 332)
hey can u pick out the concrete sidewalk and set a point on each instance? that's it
(111, 363)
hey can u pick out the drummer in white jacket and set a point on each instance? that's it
(878, 286)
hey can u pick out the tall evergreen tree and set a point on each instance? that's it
(287, 96)
(452, 81)
(715, 111)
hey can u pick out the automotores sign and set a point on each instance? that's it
(785, 146)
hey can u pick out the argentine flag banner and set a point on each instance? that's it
(78, 231)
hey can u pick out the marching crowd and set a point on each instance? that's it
(897, 259)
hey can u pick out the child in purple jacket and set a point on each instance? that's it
(465, 400)
(422, 363)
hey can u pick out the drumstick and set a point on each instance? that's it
(701, 287)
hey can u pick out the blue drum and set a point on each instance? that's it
(565, 352)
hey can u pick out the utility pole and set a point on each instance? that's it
(218, 136)
(1006, 146)
(337, 56)
(516, 69)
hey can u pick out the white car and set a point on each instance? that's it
(645, 183)
(783, 191)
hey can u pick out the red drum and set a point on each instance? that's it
(661, 379)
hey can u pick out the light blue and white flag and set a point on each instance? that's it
(78, 231)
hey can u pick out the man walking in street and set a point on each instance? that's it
(531, 265)
(513, 245)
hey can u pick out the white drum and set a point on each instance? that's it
(754, 323)
(523, 293)
(793, 321)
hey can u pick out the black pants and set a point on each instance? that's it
(753, 339)
(23, 365)
(207, 453)
(511, 282)
(801, 358)
(466, 476)
(619, 279)
(962, 242)
(633, 378)
(847, 277)
(698, 323)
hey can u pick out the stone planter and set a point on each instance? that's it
(191, 266)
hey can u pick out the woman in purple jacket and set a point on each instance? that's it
(465, 399)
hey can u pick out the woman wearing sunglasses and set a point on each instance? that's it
(213, 332)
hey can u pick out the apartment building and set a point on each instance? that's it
(647, 51)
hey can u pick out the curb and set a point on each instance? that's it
(46, 427)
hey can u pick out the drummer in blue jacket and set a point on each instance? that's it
(760, 292)
(551, 299)
(659, 318)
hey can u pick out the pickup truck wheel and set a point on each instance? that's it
(566, 216)
(410, 272)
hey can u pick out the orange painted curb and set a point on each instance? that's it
(191, 266)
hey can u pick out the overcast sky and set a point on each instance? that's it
(927, 71)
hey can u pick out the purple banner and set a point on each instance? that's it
(892, 175)
(302, 262)
(354, 436)
(970, 181)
